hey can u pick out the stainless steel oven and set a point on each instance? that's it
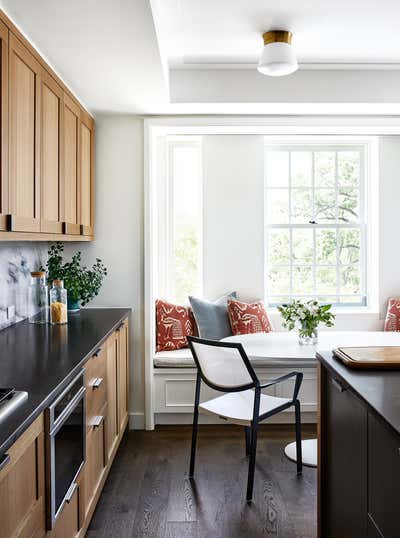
(66, 434)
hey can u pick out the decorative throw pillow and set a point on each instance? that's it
(173, 324)
(248, 318)
(392, 321)
(212, 317)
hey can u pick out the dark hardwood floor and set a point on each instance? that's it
(148, 493)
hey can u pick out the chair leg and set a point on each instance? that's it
(252, 462)
(247, 434)
(299, 456)
(194, 441)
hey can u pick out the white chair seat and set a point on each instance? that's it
(237, 407)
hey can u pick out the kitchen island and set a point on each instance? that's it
(359, 451)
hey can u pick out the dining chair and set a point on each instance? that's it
(225, 367)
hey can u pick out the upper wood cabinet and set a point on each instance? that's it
(4, 202)
(24, 136)
(46, 149)
(87, 174)
(70, 208)
(50, 154)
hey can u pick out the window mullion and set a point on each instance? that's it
(290, 227)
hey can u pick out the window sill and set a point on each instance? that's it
(344, 311)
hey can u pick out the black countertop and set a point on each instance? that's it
(380, 389)
(43, 359)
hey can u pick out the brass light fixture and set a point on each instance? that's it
(277, 58)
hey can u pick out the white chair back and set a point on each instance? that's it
(220, 365)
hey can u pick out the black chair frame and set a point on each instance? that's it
(251, 431)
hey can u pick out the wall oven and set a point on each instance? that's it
(65, 443)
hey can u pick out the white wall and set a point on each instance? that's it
(119, 233)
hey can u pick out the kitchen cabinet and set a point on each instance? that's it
(50, 154)
(24, 136)
(70, 207)
(112, 391)
(22, 494)
(4, 202)
(86, 158)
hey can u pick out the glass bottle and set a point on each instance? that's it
(58, 303)
(38, 299)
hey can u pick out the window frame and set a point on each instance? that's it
(323, 143)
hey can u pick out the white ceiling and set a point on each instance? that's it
(106, 51)
(325, 31)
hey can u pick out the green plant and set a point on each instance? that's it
(81, 283)
(306, 316)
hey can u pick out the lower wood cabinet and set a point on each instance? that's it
(112, 391)
(22, 493)
(123, 375)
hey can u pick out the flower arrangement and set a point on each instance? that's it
(306, 316)
(82, 284)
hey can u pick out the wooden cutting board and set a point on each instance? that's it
(369, 357)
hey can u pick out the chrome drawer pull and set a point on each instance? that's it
(97, 382)
(97, 352)
(5, 460)
(70, 492)
(337, 385)
(97, 421)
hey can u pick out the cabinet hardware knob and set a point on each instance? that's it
(96, 383)
(337, 385)
(97, 421)
(97, 352)
(5, 460)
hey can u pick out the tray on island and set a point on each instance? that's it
(369, 356)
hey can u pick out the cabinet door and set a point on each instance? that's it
(123, 369)
(383, 477)
(86, 173)
(4, 202)
(112, 391)
(70, 198)
(50, 153)
(22, 499)
(24, 103)
(344, 463)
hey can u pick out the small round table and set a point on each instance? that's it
(283, 349)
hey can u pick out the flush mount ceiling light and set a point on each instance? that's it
(277, 58)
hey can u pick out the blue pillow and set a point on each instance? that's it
(212, 317)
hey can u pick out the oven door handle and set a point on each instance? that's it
(67, 411)
(70, 492)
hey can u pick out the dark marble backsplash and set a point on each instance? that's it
(17, 260)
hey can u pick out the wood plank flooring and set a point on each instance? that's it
(148, 493)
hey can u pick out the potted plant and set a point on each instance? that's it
(306, 316)
(82, 284)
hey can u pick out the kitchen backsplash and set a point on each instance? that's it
(17, 260)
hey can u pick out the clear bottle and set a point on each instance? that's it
(58, 303)
(38, 298)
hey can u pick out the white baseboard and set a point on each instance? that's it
(187, 418)
(136, 421)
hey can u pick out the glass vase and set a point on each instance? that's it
(308, 338)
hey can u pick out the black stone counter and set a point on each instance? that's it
(380, 389)
(43, 359)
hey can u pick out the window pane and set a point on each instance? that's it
(186, 222)
(326, 280)
(350, 279)
(278, 206)
(326, 246)
(348, 210)
(300, 167)
(349, 169)
(324, 165)
(277, 168)
(325, 206)
(278, 247)
(349, 246)
(302, 280)
(301, 205)
(278, 281)
(302, 246)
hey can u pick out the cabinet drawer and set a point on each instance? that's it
(96, 385)
(96, 456)
(67, 524)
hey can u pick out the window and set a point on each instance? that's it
(315, 223)
(184, 223)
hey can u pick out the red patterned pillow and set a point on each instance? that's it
(392, 321)
(248, 318)
(173, 324)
